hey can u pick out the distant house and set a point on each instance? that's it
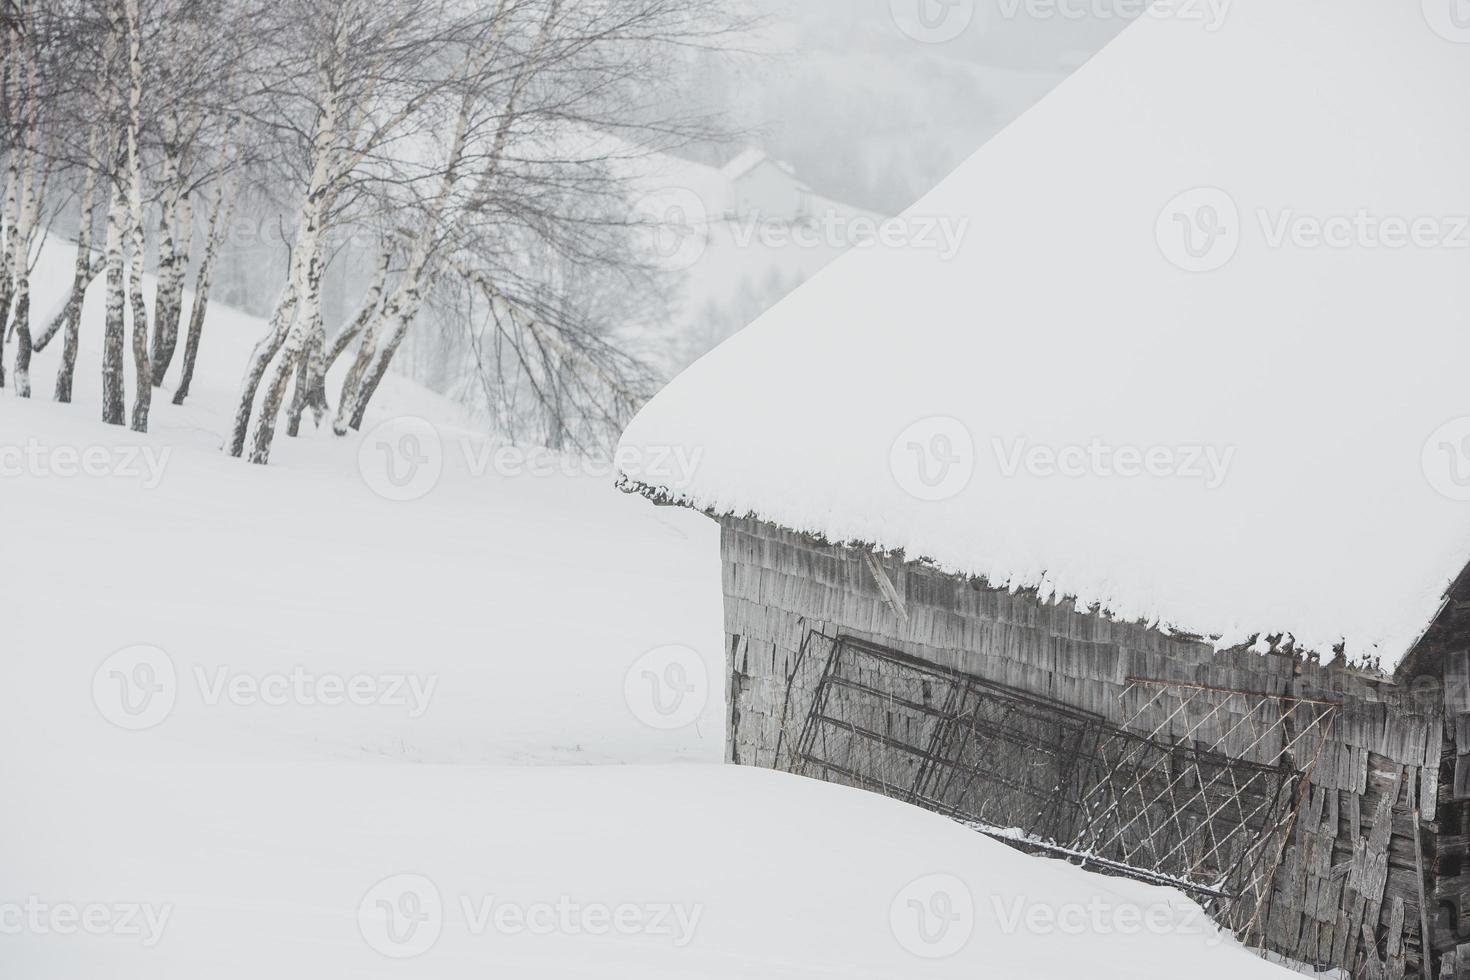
(766, 188)
(1136, 532)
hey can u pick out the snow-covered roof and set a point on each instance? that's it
(747, 160)
(1220, 278)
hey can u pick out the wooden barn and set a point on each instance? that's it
(1135, 530)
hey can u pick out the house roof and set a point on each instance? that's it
(1260, 428)
(747, 160)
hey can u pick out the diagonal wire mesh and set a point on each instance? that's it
(1208, 788)
(1197, 785)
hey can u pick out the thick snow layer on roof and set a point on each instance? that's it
(1220, 279)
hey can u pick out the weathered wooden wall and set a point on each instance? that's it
(1346, 892)
(1440, 663)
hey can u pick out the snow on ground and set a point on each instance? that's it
(186, 795)
(488, 581)
(1198, 358)
(720, 872)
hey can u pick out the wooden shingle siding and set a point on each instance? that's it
(1346, 889)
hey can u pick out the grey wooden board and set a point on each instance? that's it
(1457, 682)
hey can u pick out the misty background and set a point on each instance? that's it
(861, 113)
(629, 183)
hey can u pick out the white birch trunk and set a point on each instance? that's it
(7, 252)
(365, 372)
(309, 232)
(376, 349)
(298, 341)
(21, 321)
(218, 218)
(113, 412)
(87, 269)
(398, 325)
(309, 366)
(366, 318)
(175, 242)
(172, 287)
(20, 68)
(167, 223)
(372, 356)
(370, 302)
(143, 390)
(82, 275)
(21, 327)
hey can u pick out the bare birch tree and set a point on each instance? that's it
(142, 366)
(481, 146)
(24, 180)
(551, 148)
(119, 220)
(365, 57)
(208, 66)
(69, 319)
(219, 216)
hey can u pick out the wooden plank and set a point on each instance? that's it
(1457, 682)
(1343, 933)
(1356, 905)
(1372, 968)
(885, 586)
(1461, 787)
(1395, 950)
(1392, 795)
(1425, 936)
(1330, 912)
(1316, 800)
(1429, 775)
(1462, 957)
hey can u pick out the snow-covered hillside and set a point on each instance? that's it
(297, 721)
(222, 564)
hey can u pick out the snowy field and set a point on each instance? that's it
(270, 722)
